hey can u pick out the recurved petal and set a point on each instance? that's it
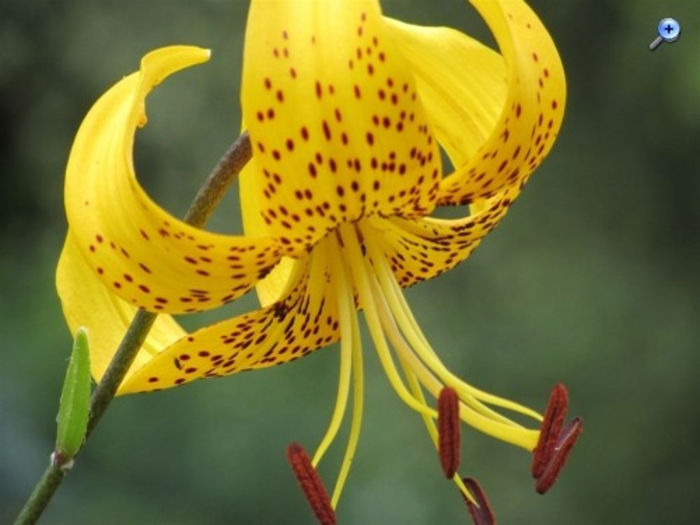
(461, 82)
(420, 249)
(303, 320)
(86, 301)
(506, 138)
(337, 128)
(143, 254)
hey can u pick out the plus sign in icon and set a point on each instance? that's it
(669, 30)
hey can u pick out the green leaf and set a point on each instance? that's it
(75, 399)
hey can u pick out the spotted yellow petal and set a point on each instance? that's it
(497, 151)
(86, 301)
(143, 254)
(461, 82)
(337, 128)
(304, 320)
(271, 287)
(420, 249)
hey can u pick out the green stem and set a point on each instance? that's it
(201, 209)
(41, 495)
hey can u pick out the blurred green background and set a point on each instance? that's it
(591, 280)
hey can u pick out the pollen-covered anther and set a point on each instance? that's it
(311, 484)
(565, 443)
(555, 443)
(551, 427)
(448, 431)
(480, 512)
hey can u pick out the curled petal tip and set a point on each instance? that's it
(448, 431)
(311, 484)
(481, 512)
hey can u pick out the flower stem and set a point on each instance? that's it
(201, 209)
(41, 495)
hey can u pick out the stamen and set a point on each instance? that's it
(345, 312)
(448, 431)
(311, 484)
(565, 443)
(417, 391)
(551, 427)
(470, 395)
(348, 323)
(471, 411)
(357, 408)
(357, 265)
(481, 512)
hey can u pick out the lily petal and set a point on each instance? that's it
(142, 253)
(529, 116)
(86, 301)
(304, 320)
(461, 82)
(337, 128)
(420, 249)
(271, 287)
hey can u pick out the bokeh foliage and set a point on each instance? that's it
(591, 280)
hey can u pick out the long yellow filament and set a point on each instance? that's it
(357, 398)
(417, 339)
(507, 432)
(417, 390)
(346, 346)
(356, 262)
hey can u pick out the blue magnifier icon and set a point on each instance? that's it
(669, 30)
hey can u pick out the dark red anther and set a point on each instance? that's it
(551, 427)
(311, 484)
(481, 513)
(448, 431)
(565, 443)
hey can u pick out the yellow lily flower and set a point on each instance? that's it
(346, 112)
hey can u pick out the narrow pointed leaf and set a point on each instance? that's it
(75, 399)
